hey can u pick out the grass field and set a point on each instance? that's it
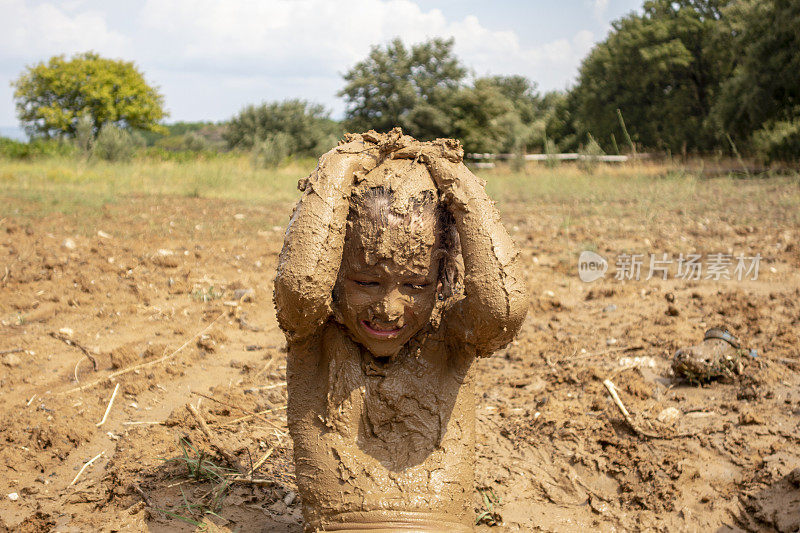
(644, 191)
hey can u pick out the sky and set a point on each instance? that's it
(211, 58)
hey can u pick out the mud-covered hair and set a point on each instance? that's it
(422, 209)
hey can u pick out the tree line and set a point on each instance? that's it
(677, 76)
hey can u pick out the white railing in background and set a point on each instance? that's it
(558, 157)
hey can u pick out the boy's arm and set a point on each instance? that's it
(312, 248)
(495, 295)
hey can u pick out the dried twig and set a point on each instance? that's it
(232, 422)
(212, 439)
(108, 409)
(85, 466)
(612, 390)
(12, 350)
(141, 493)
(142, 365)
(222, 403)
(70, 342)
(30, 401)
(260, 462)
(269, 387)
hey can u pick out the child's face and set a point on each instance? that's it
(388, 284)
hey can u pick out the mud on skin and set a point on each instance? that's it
(395, 274)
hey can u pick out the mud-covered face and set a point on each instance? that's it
(387, 284)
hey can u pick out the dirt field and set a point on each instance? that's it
(169, 297)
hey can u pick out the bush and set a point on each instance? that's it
(550, 149)
(84, 134)
(116, 144)
(11, 149)
(779, 141)
(304, 127)
(588, 155)
(272, 150)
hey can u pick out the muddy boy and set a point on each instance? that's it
(395, 274)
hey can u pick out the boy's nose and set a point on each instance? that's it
(391, 307)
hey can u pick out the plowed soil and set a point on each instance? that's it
(171, 299)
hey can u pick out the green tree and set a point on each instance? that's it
(479, 115)
(763, 94)
(498, 114)
(398, 86)
(304, 127)
(51, 97)
(663, 69)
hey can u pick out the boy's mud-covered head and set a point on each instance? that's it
(397, 257)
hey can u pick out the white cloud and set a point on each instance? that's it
(35, 32)
(600, 8)
(325, 38)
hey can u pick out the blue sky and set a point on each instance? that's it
(211, 58)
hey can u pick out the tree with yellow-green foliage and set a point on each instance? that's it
(51, 97)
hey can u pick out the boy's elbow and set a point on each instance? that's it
(298, 309)
(501, 323)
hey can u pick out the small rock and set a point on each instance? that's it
(13, 496)
(11, 359)
(610, 308)
(68, 244)
(598, 505)
(66, 331)
(672, 311)
(289, 498)
(670, 297)
(611, 341)
(165, 258)
(244, 295)
(669, 416)
(550, 294)
(794, 477)
(238, 216)
(748, 418)
(103, 235)
(235, 363)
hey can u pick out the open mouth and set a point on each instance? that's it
(380, 332)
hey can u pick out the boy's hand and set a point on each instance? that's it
(455, 182)
(337, 169)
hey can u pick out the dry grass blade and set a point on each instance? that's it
(213, 441)
(85, 466)
(612, 390)
(108, 409)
